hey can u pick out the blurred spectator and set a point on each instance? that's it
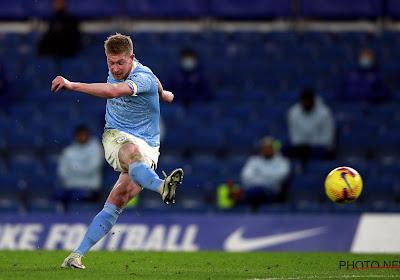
(189, 83)
(5, 95)
(366, 82)
(63, 38)
(80, 169)
(264, 176)
(228, 194)
(311, 128)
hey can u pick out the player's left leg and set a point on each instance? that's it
(138, 166)
(123, 191)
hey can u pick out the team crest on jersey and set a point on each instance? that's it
(121, 139)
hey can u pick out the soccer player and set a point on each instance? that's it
(131, 136)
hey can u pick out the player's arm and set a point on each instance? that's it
(103, 90)
(164, 95)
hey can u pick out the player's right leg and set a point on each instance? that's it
(123, 191)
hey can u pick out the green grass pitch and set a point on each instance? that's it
(197, 265)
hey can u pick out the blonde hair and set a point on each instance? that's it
(118, 43)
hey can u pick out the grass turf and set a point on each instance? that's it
(197, 265)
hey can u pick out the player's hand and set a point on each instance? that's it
(167, 96)
(60, 83)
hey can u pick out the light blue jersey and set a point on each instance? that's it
(137, 114)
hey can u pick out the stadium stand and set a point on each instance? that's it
(247, 106)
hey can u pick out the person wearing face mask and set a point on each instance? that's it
(80, 169)
(311, 128)
(63, 38)
(265, 175)
(189, 83)
(365, 83)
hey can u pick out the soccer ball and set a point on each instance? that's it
(343, 185)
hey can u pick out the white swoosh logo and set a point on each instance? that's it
(236, 242)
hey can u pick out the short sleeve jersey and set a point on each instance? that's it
(139, 113)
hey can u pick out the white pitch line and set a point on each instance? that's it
(327, 277)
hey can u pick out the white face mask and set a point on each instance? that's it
(189, 63)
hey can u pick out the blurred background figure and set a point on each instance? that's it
(311, 128)
(365, 83)
(188, 83)
(80, 169)
(63, 38)
(228, 195)
(264, 176)
(5, 94)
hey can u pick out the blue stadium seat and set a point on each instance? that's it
(244, 141)
(57, 139)
(25, 166)
(84, 208)
(355, 139)
(93, 9)
(340, 9)
(352, 208)
(225, 125)
(11, 206)
(388, 141)
(42, 9)
(388, 167)
(321, 167)
(191, 202)
(160, 8)
(380, 185)
(209, 167)
(257, 9)
(204, 112)
(275, 208)
(238, 209)
(232, 167)
(24, 112)
(9, 188)
(151, 203)
(176, 143)
(172, 112)
(12, 10)
(242, 112)
(168, 163)
(207, 139)
(26, 137)
(310, 207)
(42, 206)
(307, 189)
(3, 166)
(196, 180)
(384, 206)
(41, 69)
(393, 8)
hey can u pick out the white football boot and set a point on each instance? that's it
(74, 260)
(168, 187)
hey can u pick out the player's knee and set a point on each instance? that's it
(129, 154)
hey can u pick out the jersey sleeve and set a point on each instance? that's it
(139, 83)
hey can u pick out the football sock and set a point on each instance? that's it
(99, 227)
(144, 176)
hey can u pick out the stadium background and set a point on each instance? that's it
(285, 46)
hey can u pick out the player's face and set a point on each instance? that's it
(120, 65)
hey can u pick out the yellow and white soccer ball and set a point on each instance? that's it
(343, 185)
